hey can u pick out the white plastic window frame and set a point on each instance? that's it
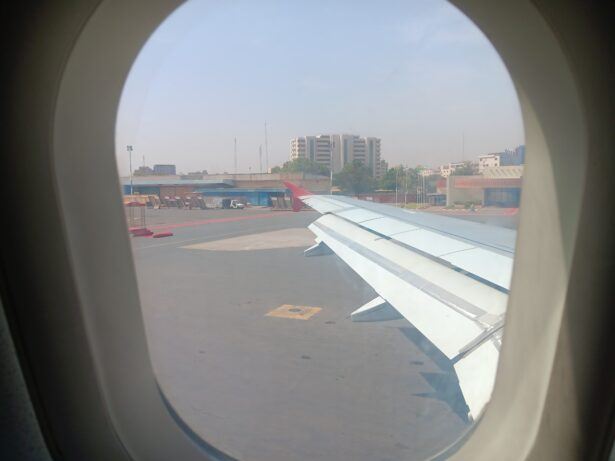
(100, 252)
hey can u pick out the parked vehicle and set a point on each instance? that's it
(233, 204)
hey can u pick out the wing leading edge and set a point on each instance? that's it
(448, 277)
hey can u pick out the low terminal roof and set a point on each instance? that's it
(506, 171)
(174, 181)
(480, 182)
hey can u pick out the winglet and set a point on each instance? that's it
(297, 192)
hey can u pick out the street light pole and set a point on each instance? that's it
(405, 188)
(418, 195)
(419, 192)
(266, 151)
(331, 145)
(396, 172)
(129, 149)
(260, 159)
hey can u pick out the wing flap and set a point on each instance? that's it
(476, 375)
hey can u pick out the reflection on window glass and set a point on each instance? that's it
(322, 201)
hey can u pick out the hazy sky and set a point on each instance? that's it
(417, 74)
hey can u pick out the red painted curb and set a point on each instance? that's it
(141, 232)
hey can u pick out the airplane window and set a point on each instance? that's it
(322, 200)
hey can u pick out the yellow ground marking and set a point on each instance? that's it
(288, 311)
(285, 238)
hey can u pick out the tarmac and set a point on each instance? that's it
(253, 345)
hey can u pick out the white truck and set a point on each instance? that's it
(237, 205)
(233, 204)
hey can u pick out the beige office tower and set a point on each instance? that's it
(336, 150)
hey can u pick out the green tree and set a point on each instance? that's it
(412, 177)
(431, 183)
(403, 179)
(387, 182)
(355, 178)
(301, 165)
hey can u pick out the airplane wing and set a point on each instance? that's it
(448, 277)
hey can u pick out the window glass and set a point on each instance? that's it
(323, 251)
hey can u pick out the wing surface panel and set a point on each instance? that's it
(358, 215)
(431, 243)
(322, 205)
(484, 264)
(388, 226)
(434, 235)
(482, 235)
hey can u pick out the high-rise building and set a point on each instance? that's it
(510, 157)
(336, 150)
(513, 156)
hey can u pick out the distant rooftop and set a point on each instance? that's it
(508, 171)
(226, 178)
(175, 180)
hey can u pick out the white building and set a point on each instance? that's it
(446, 169)
(428, 172)
(488, 161)
(336, 150)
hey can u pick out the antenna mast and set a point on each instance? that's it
(260, 159)
(235, 154)
(266, 150)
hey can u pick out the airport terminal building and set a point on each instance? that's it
(257, 189)
(498, 186)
